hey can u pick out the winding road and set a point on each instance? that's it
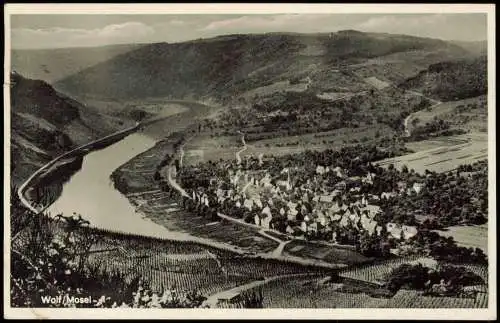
(245, 147)
(42, 170)
(407, 130)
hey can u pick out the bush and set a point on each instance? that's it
(449, 279)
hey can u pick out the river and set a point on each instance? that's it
(90, 192)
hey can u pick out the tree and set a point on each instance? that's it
(415, 122)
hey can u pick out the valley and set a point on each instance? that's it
(268, 163)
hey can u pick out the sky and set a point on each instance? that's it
(57, 31)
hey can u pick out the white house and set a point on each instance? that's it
(312, 227)
(258, 202)
(336, 217)
(387, 195)
(248, 204)
(339, 172)
(409, 231)
(291, 215)
(417, 187)
(257, 219)
(369, 225)
(345, 220)
(394, 230)
(402, 186)
(326, 198)
(320, 170)
(265, 222)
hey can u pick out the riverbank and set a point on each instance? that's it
(46, 172)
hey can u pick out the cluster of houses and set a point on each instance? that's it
(268, 199)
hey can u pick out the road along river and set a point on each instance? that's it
(91, 193)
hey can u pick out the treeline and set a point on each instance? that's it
(445, 280)
(431, 244)
(437, 127)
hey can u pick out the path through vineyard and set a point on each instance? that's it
(212, 300)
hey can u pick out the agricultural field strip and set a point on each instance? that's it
(439, 161)
(143, 193)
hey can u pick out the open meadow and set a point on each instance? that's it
(442, 154)
(475, 236)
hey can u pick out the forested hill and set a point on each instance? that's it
(46, 123)
(454, 80)
(223, 67)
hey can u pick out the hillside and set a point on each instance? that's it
(474, 47)
(452, 80)
(45, 123)
(52, 65)
(228, 66)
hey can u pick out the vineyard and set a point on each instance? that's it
(186, 266)
(308, 292)
(412, 299)
(221, 231)
(375, 273)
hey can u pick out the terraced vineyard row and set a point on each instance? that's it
(412, 299)
(186, 266)
(374, 273)
(220, 231)
(304, 293)
(202, 274)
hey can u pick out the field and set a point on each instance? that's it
(333, 96)
(469, 236)
(322, 252)
(375, 82)
(205, 147)
(445, 154)
(468, 114)
(275, 87)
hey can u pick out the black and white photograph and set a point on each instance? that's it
(224, 160)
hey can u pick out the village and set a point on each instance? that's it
(327, 204)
